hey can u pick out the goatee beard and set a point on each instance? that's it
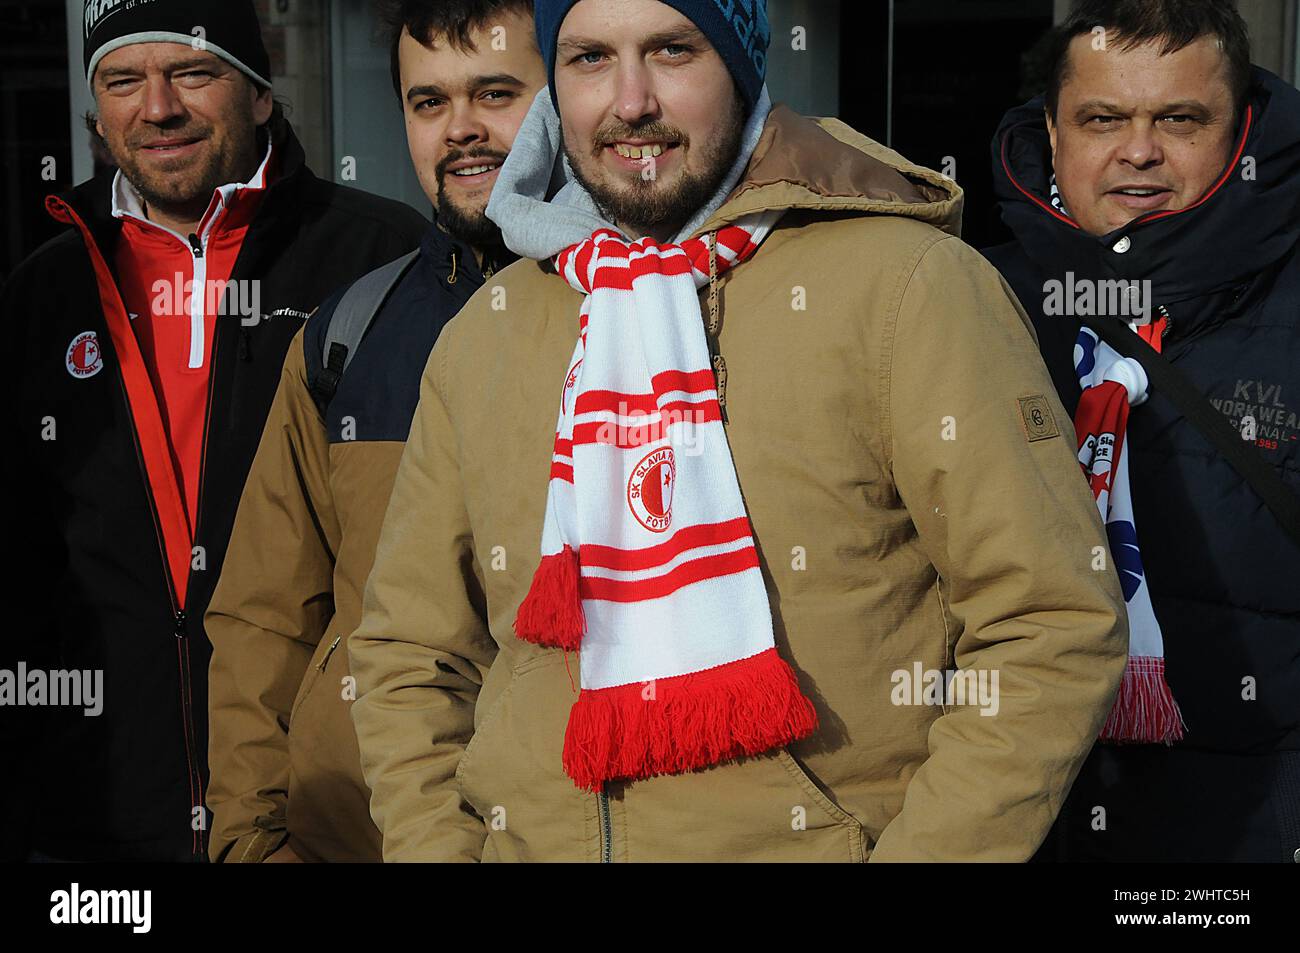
(647, 207)
(473, 228)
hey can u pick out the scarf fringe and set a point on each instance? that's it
(677, 724)
(1145, 710)
(551, 614)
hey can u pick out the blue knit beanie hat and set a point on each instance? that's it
(738, 30)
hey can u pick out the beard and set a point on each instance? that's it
(186, 190)
(470, 225)
(651, 206)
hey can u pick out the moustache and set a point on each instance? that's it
(608, 135)
(451, 157)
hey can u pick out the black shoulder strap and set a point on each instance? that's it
(1173, 384)
(351, 319)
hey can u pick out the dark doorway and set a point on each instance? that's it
(958, 66)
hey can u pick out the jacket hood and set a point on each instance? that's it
(1243, 225)
(786, 161)
(824, 165)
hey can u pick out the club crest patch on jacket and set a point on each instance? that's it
(84, 358)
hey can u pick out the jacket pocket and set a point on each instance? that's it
(511, 773)
(857, 838)
(762, 808)
(319, 662)
(481, 731)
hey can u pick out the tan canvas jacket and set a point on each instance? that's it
(914, 493)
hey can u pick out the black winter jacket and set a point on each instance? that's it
(129, 783)
(1223, 575)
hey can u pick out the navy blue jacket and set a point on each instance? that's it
(1224, 577)
(381, 387)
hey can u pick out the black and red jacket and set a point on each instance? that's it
(92, 519)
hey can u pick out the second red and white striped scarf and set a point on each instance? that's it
(648, 560)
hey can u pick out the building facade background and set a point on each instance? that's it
(929, 77)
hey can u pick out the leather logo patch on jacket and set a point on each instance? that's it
(1038, 419)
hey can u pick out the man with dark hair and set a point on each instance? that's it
(1169, 26)
(286, 774)
(752, 431)
(460, 199)
(148, 341)
(1155, 189)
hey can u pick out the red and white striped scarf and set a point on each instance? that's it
(648, 559)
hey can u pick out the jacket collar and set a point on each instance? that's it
(93, 200)
(126, 200)
(449, 257)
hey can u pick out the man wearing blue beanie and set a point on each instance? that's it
(752, 432)
(737, 30)
(695, 148)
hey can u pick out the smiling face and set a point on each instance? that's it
(1137, 131)
(463, 109)
(651, 117)
(179, 123)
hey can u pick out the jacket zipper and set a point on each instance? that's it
(606, 829)
(194, 243)
(328, 652)
(187, 719)
(713, 332)
(178, 614)
(198, 299)
(187, 709)
(178, 630)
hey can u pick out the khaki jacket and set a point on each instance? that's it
(914, 493)
(282, 749)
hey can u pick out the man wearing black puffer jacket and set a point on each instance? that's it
(1160, 156)
(146, 344)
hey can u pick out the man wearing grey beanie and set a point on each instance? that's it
(151, 336)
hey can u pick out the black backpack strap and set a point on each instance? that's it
(1281, 500)
(351, 319)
